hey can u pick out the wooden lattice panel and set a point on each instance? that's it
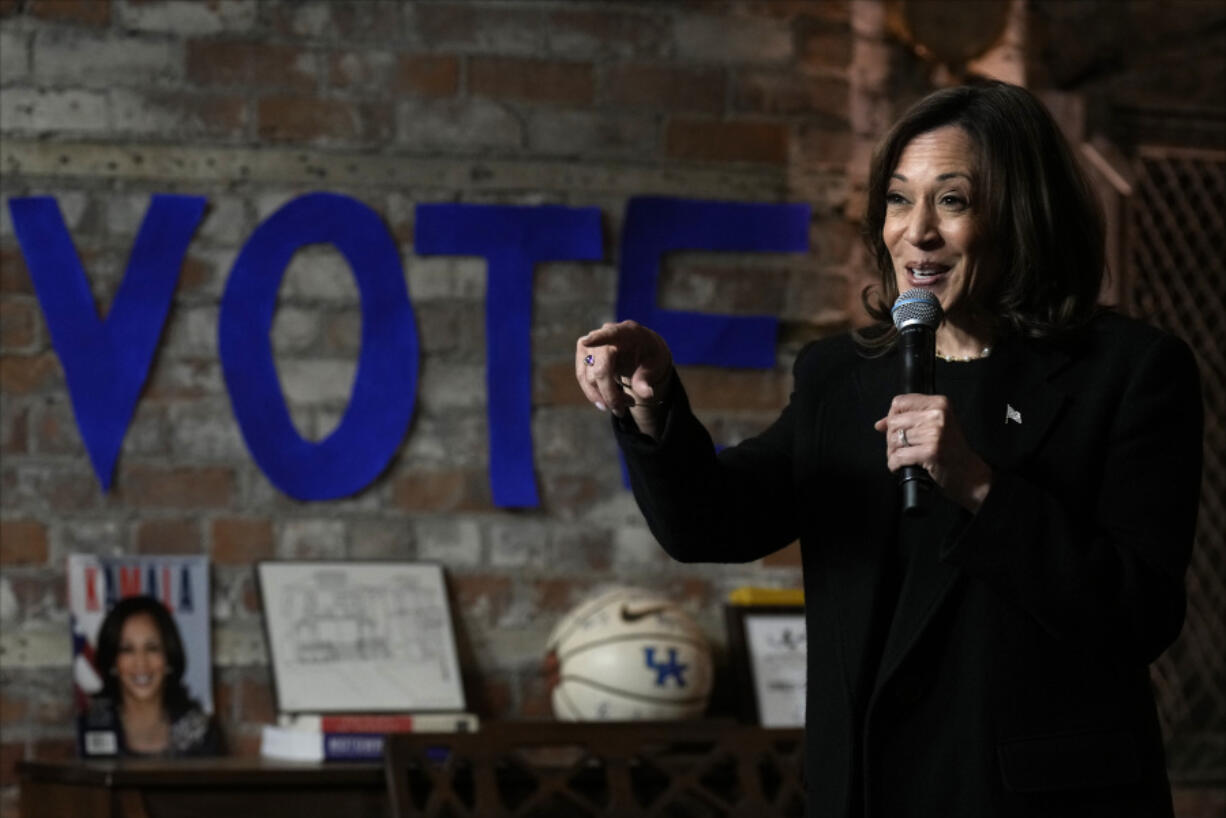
(624, 770)
(1176, 279)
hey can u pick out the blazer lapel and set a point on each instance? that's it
(1028, 404)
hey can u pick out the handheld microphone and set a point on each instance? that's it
(917, 314)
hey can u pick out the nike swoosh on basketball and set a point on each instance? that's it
(634, 616)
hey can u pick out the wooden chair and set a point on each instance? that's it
(597, 770)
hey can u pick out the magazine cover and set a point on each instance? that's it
(95, 585)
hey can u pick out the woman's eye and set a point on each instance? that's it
(894, 198)
(952, 200)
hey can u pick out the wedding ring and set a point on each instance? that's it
(902, 438)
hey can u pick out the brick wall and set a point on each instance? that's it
(251, 104)
(104, 102)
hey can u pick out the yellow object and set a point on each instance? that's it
(766, 596)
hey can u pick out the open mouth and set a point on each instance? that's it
(926, 272)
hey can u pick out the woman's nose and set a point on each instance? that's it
(921, 229)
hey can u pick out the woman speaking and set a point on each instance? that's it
(988, 657)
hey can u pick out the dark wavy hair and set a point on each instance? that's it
(1042, 218)
(175, 697)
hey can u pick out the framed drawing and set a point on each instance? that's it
(360, 637)
(767, 646)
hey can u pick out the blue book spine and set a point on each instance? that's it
(353, 746)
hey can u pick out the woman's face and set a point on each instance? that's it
(933, 223)
(141, 662)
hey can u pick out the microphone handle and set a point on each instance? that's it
(917, 346)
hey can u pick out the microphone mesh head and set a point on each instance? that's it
(917, 306)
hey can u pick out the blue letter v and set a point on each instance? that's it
(107, 361)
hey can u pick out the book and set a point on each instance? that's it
(351, 736)
(95, 585)
(381, 722)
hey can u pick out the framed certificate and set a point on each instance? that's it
(767, 646)
(360, 637)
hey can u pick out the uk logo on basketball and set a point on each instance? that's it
(665, 670)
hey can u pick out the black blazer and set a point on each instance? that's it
(1014, 679)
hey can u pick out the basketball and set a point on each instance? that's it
(628, 655)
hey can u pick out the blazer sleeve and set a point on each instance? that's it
(1108, 574)
(736, 505)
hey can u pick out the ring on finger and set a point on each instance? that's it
(902, 438)
(589, 360)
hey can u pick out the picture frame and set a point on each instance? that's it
(767, 647)
(367, 637)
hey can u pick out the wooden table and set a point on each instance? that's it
(201, 788)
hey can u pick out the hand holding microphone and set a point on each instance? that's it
(924, 442)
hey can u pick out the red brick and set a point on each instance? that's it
(73, 492)
(489, 694)
(13, 709)
(238, 541)
(693, 593)
(14, 277)
(210, 62)
(536, 696)
(364, 21)
(790, 94)
(356, 69)
(56, 431)
(737, 141)
(470, 26)
(17, 430)
(491, 591)
(735, 390)
(826, 145)
(168, 537)
(570, 493)
(823, 44)
(19, 321)
(243, 744)
(533, 80)
(823, 9)
(555, 385)
(10, 754)
(610, 33)
(724, 287)
(377, 122)
(252, 603)
(52, 710)
(298, 119)
(787, 558)
(23, 542)
(452, 490)
(678, 89)
(30, 374)
(197, 273)
(427, 75)
(256, 701)
(86, 12)
(178, 488)
(224, 697)
(556, 596)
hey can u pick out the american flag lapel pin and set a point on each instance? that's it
(1012, 414)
